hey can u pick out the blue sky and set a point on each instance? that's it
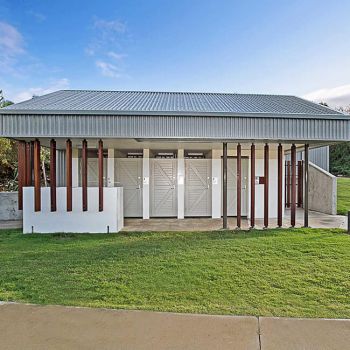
(284, 47)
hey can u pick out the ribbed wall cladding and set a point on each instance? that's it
(192, 127)
(61, 168)
(320, 157)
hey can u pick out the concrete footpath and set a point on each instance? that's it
(57, 327)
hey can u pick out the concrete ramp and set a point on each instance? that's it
(322, 190)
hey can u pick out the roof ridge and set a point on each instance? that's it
(177, 92)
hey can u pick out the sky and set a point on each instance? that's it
(272, 47)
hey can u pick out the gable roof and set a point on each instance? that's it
(170, 103)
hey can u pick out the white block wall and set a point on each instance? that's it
(93, 221)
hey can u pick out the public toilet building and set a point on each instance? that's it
(134, 154)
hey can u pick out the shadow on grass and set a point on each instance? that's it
(216, 234)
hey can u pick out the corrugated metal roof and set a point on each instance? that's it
(173, 103)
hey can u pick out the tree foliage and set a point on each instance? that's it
(339, 155)
(8, 158)
(3, 101)
(339, 162)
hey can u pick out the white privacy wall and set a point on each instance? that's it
(111, 219)
(259, 189)
(273, 182)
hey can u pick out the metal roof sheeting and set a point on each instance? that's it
(175, 127)
(170, 103)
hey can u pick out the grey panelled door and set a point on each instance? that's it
(92, 172)
(232, 186)
(129, 175)
(163, 187)
(197, 187)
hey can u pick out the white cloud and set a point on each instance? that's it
(108, 69)
(38, 91)
(107, 34)
(37, 15)
(11, 40)
(11, 45)
(89, 51)
(116, 56)
(113, 26)
(106, 45)
(335, 97)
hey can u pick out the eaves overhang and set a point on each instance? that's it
(172, 113)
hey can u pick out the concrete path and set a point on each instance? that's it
(297, 333)
(316, 220)
(57, 327)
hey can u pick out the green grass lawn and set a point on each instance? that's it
(343, 195)
(301, 272)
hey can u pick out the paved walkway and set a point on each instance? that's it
(316, 220)
(57, 327)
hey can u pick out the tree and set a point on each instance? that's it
(3, 102)
(8, 158)
(339, 154)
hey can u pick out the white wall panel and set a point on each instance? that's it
(92, 220)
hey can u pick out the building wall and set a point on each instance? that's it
(318, 156)
(61, 168)
(259, 189)
(217, 183)
(298, 130)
